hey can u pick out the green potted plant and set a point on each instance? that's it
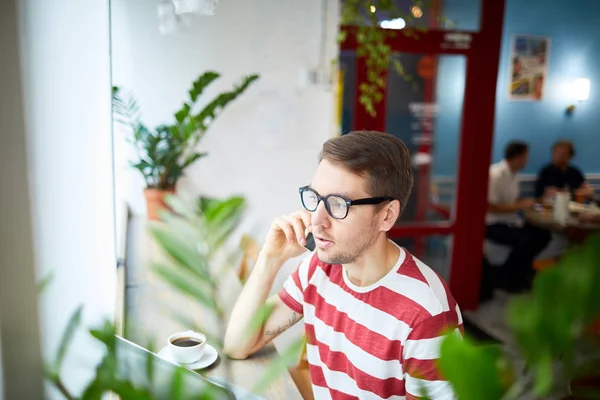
(166, 151)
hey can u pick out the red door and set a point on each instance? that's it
(449, 233)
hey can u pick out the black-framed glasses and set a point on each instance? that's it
(337, 206)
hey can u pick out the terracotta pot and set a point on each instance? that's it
(155, 201)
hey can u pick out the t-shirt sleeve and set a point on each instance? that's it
(493, 188)
(292, 292)
(421, 353)
(541, 183)
(579, 178)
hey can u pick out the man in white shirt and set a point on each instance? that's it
(504, 223)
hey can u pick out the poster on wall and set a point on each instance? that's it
(528, 67)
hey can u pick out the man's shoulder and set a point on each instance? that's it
(495, 168)
(419, 285)
(575, 171)
(499, 170)
(547, 168)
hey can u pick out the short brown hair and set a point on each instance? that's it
(515, 149)
(565, 143)
(381, 158)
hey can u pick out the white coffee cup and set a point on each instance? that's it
(187, 347)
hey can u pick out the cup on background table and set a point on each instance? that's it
(561, 211)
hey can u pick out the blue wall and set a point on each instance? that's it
(574, 29)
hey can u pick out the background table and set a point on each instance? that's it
(576, 230)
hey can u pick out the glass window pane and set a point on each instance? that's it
(435, 251)
(424, 109)
(461, 14)
(348, 69)
(441, 14)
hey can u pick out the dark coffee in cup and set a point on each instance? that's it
(187, 347)
(186, 342)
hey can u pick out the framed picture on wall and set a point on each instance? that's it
(528, 67)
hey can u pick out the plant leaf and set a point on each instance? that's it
(67, 338)
(482, 379)
(279, 365)
(94, 391)
(181, 252)
(45, 282)
(201, 83)
(216, 341)
(184, 285)
(209, 112)
(182, 114)
(177, 388)
(191, 159)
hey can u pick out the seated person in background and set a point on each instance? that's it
(560, 175)
(505, 225)
(373, 314)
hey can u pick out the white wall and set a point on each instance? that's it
(20, 361)
(1, 369)
(264, 145)
(66, 71)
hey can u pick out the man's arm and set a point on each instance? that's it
(541, 184)
(584, 188)
(519, 205)
(245, 335)
(494, 194)
(420, 355)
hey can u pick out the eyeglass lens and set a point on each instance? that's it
(336, 206)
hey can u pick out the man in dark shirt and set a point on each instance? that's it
(560, 175)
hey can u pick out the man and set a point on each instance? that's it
(560, 175)
(373, 313)
(505, 225)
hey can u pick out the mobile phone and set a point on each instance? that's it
(310, 242)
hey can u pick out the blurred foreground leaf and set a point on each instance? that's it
(279, 365)
(182, 253)
(43, 284)
(186, 286)
(66, 339)
(476, 372)
(551, 322)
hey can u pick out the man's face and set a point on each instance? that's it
(522, 160)
(343, 241)
(561, 156)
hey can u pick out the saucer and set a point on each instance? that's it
(209, 356)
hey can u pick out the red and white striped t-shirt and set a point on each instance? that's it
(375, 342)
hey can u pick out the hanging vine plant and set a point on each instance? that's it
(366, 17)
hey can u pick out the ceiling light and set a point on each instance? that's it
(416, 11)
(397, 23)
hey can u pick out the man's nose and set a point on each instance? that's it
(320, 217)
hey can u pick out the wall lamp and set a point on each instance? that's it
(580, 91)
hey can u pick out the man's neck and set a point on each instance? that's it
(562, 167)
(374, 263)
(512, 167)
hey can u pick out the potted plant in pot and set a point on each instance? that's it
(167, 150)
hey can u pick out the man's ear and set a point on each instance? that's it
(391, 214)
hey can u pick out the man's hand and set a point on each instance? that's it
(286, 238)
(585, 191)
(524, 204)
(550, 192)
